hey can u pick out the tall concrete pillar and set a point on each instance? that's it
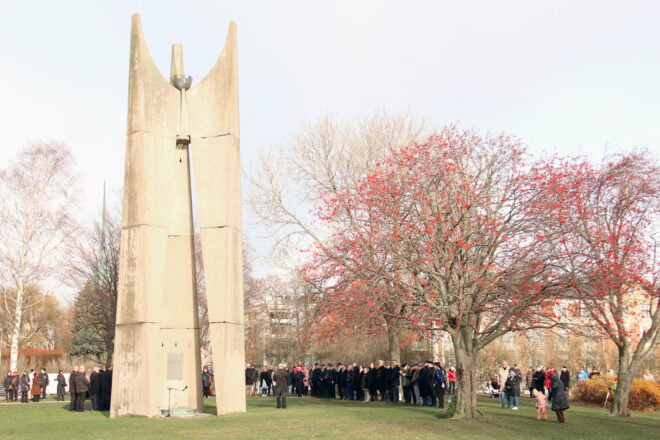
(157, 353)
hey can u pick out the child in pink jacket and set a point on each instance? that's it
(541, 404)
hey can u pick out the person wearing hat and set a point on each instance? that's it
(281, 382)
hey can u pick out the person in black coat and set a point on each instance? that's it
(381, 379)
(8, 387)
(372, 382)
(350, 387)
(558, 396)
(357, 382)
(538, 379)
(565, 377)
(395, 382)
(106, 388)
(72, 388)
(43, 377)
(342, 387)
(61, 386)
(95, 389)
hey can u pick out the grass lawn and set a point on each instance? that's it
(308, 418)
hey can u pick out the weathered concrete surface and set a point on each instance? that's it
(216, 161)
(157, 350)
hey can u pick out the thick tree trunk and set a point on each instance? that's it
(393, 340)
(627, 370)
(466, 377)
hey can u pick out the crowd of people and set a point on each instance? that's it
(97, 386)
(426, 383)
(543, 385)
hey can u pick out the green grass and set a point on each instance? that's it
(323, 419)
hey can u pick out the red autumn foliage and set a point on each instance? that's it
(604, 219)
(439, 232)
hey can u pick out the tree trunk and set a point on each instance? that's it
(393, 341)
(16, 329)
(466, 377)
(627, 370)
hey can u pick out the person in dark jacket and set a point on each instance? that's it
(372, 382)
(206, 382)
(299, 381)
(43, 377)
(61, 386)
(439, 384)
(315, 378)
(95, 389)
(8, 387)
(381, 379)
(281, 382)
(406, 377)
(565, 377)
(72, 388)
(558, 396)
(395, 381)
(512, 386)
(81, 387)
(106, 388)
(357, 381)
(364, 374)
(25, 387)
(538, 379)
(350, 386)
(342, 387)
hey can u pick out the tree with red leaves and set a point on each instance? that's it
(439, 233)
(604, 220)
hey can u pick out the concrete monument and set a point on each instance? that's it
(157, 354)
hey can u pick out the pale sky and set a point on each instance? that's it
(565, 76)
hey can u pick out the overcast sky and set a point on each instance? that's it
(568, 76)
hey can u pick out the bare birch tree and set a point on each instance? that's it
(324, 158)
(38, 207)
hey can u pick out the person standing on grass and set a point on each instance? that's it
(15, 386)
(529, 381)
(81, 386)
(72, 388)
(365, 383)
(36, 387)
(281, 382)
(106, 388)
(206, 382)
(512, 386)
(558, 396)
(541, 404)
(7, 385)
(451, 378)
(565, 377)
(95, 389)
(61, 386)
(439, 384)
(25, 387)
(43, 377)
(502, 375)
